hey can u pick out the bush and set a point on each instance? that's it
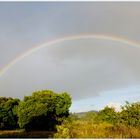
(130, 114)
(62, 132)
(108, 114)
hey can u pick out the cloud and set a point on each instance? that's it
(116, 106)
(85, 68)
(24, 25)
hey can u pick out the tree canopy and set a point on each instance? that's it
(108, 114)
(130, 114)
(43, 110)
(8, 113)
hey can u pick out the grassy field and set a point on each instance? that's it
(78, 129)
(23, 134)
(91, 129)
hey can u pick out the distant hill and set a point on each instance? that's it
(81, 114)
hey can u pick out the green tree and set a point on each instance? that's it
(108, 114)
(8, 113)
(43, 110)
(130, 114)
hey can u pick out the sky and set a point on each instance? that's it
(100, 67)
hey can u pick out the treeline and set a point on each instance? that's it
(129, 115)
(42, 111)
(107, 123)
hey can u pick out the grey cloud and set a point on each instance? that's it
(85, 68)
(24, 25)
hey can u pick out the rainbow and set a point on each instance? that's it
(68, 38)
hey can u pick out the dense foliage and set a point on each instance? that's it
(43, 110)
(103, 124)
(130, 114)
(8, 113)
(108, 114)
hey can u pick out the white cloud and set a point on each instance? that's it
(115, 105)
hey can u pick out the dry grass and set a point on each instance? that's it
(79, 129)
(88, 129)
(24, 134)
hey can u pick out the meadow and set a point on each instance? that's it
(89, 126)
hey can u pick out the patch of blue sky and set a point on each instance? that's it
(130, 94)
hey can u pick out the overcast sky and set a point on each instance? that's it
(95, 71)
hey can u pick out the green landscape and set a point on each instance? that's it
(45, 114)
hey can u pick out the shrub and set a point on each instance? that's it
(130, 114)
(108, 114)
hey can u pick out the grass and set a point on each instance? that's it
(23, 134)
(92, 129)
(85, 127)
(78, 129)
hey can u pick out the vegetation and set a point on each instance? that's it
(95, 129)
(45, 114)
(8, 113)
(103, 124)
(130, 114)
(109, 115)
(43, 110)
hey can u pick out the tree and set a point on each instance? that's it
(43, 110)
(108, 114)
(8, 113)
(130, 114)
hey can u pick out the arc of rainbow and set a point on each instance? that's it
(69, 38)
